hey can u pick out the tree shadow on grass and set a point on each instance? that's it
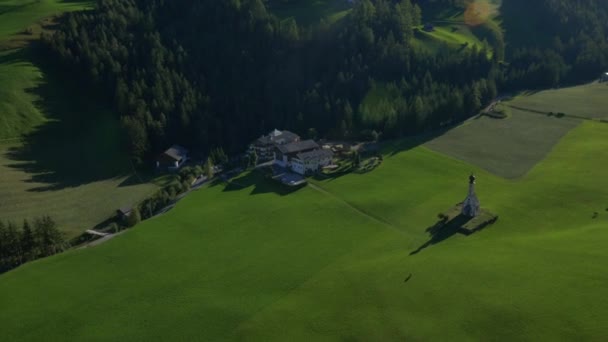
(332, 176)
(392, 148)
(81, 141)
(442, 231)
(258, 184)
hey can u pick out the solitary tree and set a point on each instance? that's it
(254, 159)
(375, 135)
(27, 241)
(246, 160)
(208, 167)
(198, 170)
(356, 159)
(134, 217)
(3, 248)
(48, 237)
(13, 245)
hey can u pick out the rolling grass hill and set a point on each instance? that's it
(60, 149)
(455, 35)
(330, 261)
(513, 146)
(586, 101)
(311, 12)
(18, 74)
(451, 27)
(17, 15)
(347, 258)
(459, 28)
(507, 147)
(71, 164)
(17, 103)
(377, 106)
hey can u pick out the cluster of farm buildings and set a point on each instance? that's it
(286, 150)
(283, 149)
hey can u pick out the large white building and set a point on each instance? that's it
(310, 162)
(302, 157)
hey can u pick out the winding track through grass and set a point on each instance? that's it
(353, 207)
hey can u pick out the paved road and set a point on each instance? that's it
(94, 232)
(195, 186)
(102, 240)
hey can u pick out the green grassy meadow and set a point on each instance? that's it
(455, 35)
(60, 148)
(28, 191)
(452, 28)
(328, 262)
(587, 101)
(507, 147)
(17, 15)
(513, 146)
(17, 104)
(67, 160)
(311, 12)
(377, 106)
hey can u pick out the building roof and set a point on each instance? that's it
(125, 211)
(299, 146)
(287, 136)
(280, 137)
(176, 152)
(312, 155)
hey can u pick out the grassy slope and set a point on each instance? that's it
(311, 12)
(376, 107)
(60, 151)
(27, 191)
(17, 74)
(450, 27)
(455, 35)
(527, 277)
(511, 147)
(453, 30)
(507, 147)
(72, 167)
(19, 115)
(589, 101)
(185, 285)
(16, 15)
(311, 266)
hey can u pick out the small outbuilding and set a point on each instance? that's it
(124, 212)
(172, 159)
(429, 27)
